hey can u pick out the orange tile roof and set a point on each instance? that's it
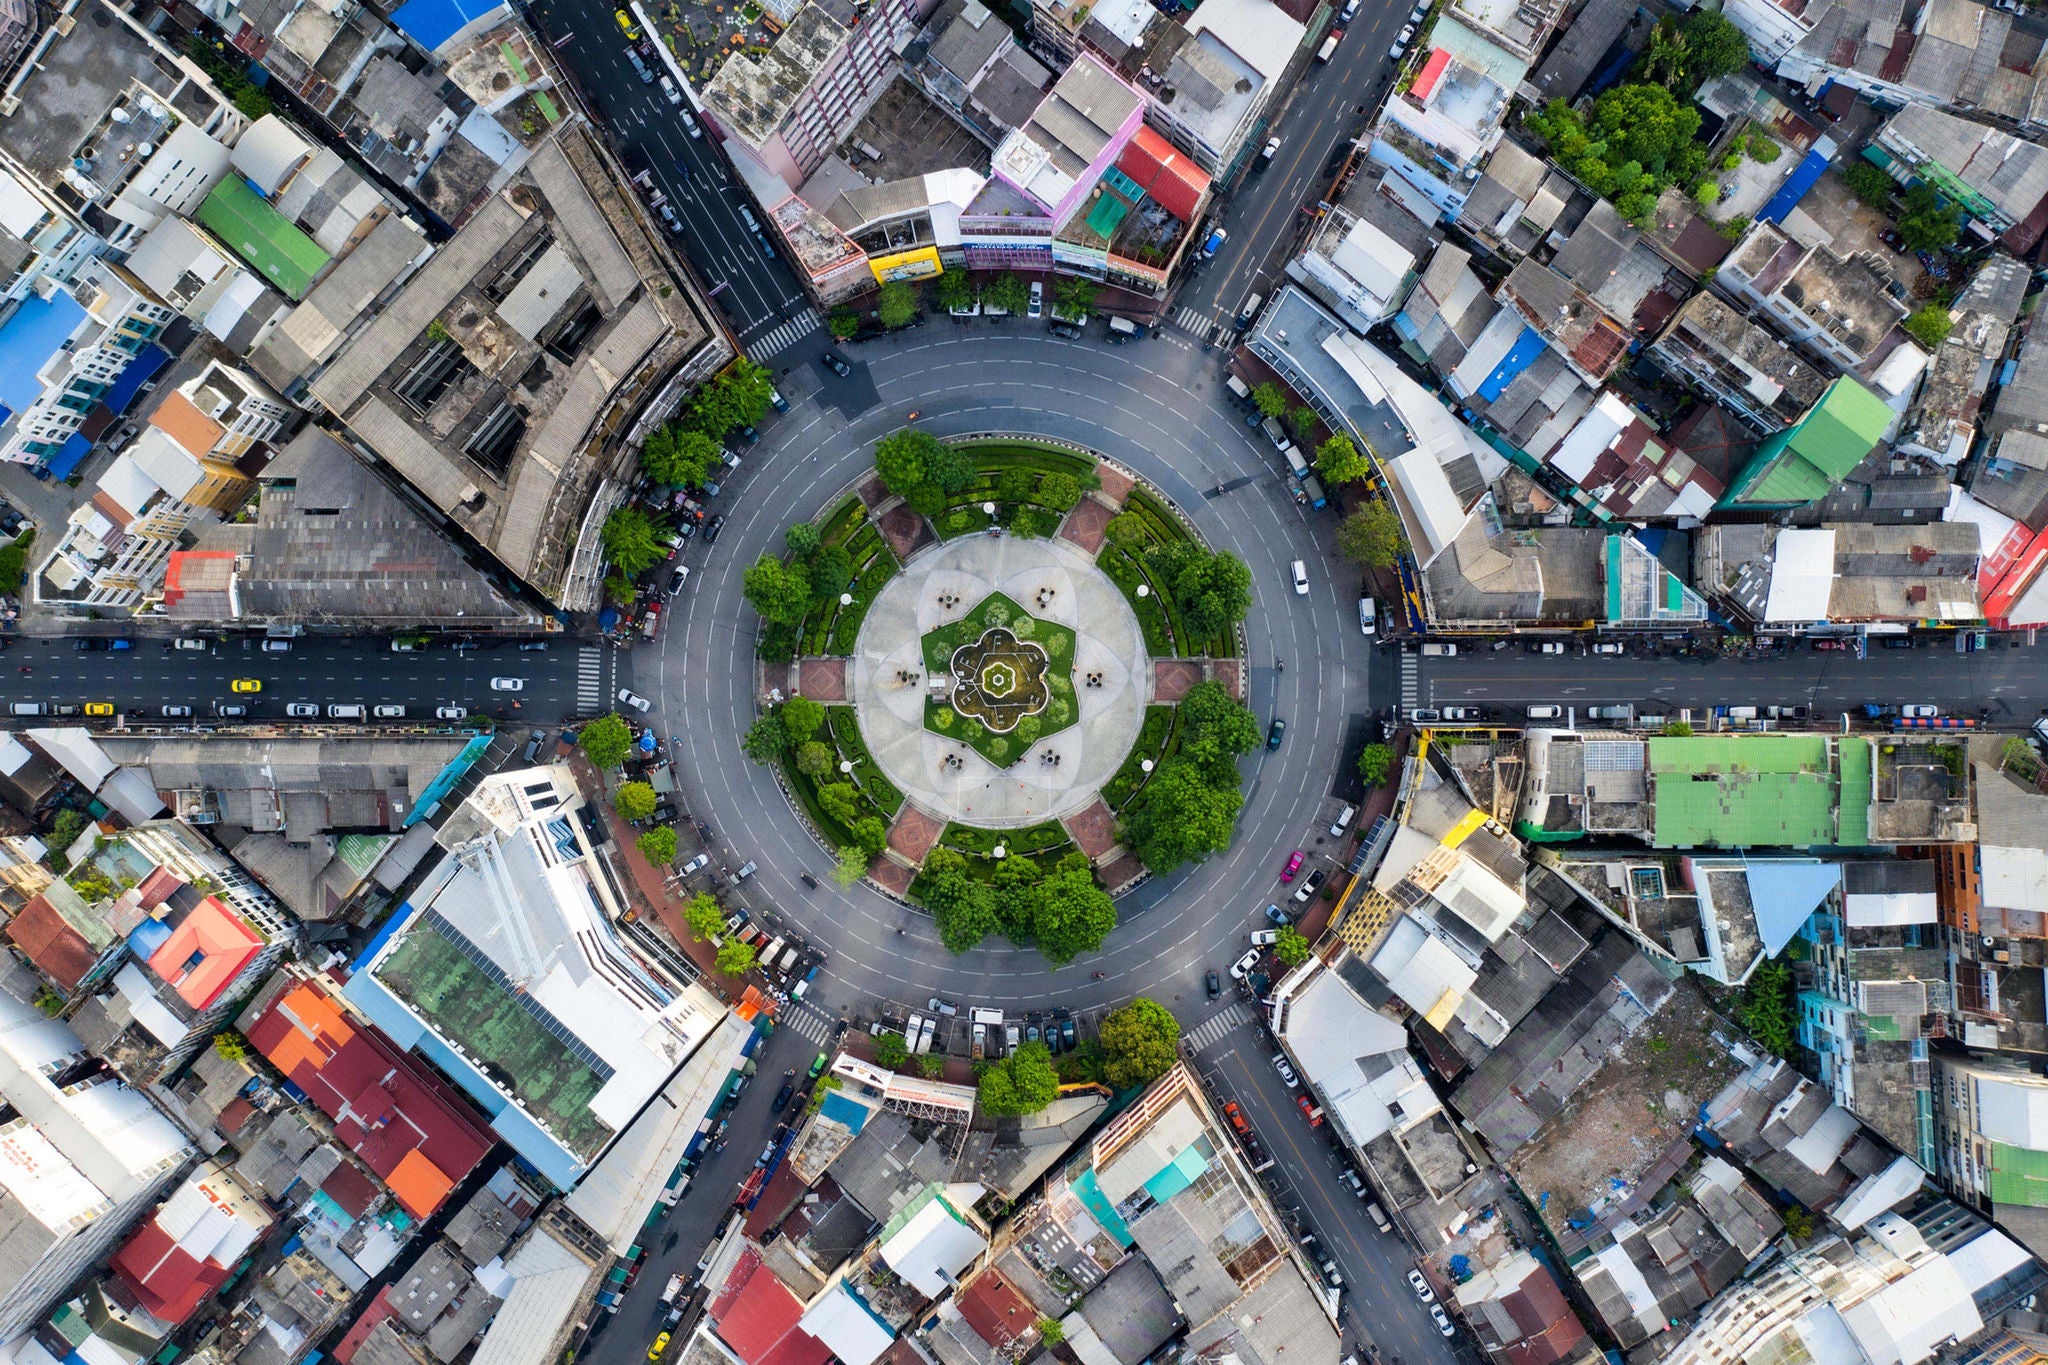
(205, 953)
(418, 1183)
(320, 1032)
(178, 419)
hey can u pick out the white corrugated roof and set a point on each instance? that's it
(1903, 1322)
(2013, 1111)
(2015, 878)
(75, 751)
(267, 153)
(846, 1325)
(548, 1282)
(1986, 1257)
(1355, 1057)
(1802, 576)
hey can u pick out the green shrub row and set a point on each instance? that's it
(844, 723)
(1157, 738)
(1151, 610)
(1049, 837)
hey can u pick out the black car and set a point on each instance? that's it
(838, 366)
(712, 528)
(808, 880)
(1065, 329)
(1898, 642)
(751, 436)
(1276, 733)
(88, 646)
(784, 1095)
(1214, 984)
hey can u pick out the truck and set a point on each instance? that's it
(1121, 329)
(671, 1289)
(1312, 489)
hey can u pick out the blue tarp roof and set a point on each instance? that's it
(431, 23)
(842, 1110)
(147, 937)
(68, 456)
(1794, 189)
(1785, 894)
(1520, 357)
(28, 339)
(148, 363)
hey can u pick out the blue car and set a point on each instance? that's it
(1277, 915)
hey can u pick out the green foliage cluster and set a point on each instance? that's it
(1189, 808)
(1639, 141)
(1798, 1223)
(1140, 1043)
(91, 883)
(1927, 222)
(1212, 589)
(658, 845)
(1766, 1009)
(1291, 948)
(227, 73)
(634, 800)
(605, 741)
(678, 454)
(1075, 297)
(704, 915)
(736, 958)
(1339, 460)
(1270, 399)
(1372, 536)
(1064, 911)
(1375, 764)
(897, 305)
(1022, 1083)
(891, 1051)
(633, 541)
(14, 562)
(954, 289)
(1869, 184)
(1684, 55)
(1929, 325)
(736, 397)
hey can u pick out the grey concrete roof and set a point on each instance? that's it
(1131, 1311)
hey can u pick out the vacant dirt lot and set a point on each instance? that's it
(1646, 1095)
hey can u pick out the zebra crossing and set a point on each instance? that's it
(1202, 326)
(1212, 1030)
(589, 680)
(811, 1022)
(784, 336)
(1411, 682)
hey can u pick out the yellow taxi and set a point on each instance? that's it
(626, 25)
(99, 708)
(246, 685)
(660, 1345)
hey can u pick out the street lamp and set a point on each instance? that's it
(846, 599)
(1145, 766)
(999, 852)
(846, 767)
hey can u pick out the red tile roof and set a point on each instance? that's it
(758, 1319)
(166, 1279)
(1165, 173)
(350, 1188)
(995, 1310)
(412, 1130)
(380, 1308)
(57, 950)
(1550, 1330)
(1432, 71)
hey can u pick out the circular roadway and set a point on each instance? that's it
(1158, 406)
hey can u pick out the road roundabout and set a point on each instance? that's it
(910, 579)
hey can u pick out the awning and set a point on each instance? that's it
(1433, 69)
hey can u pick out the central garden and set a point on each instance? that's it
(1001, 682)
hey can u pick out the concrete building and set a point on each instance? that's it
(1737, 363)
(571, 1028)
(1449, 120)
(116, 124)
(193, 460)
(187, 1249)
(333, 546)
(1355, 270)
(1942, 423)
(971, 64)
(83, 1156)
(2000, 180)
(190, 269)
(1993, 1145)
(787, 107)
(81, 345)
(1839, 310)
(494, 380)
(41, 239)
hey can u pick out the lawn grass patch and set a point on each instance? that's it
(1157, 738)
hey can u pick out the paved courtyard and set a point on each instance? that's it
(889, 685)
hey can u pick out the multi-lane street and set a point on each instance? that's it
(564, 679)
(741, 271)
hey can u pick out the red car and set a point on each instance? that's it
(1293, 866)
(1309, 1111)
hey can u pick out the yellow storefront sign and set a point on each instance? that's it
(906, 265)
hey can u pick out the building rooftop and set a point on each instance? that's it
(490, 382)
(1743, 355)
(1802, 462)
(754, 89)
(1994, 172)
(265, 238)
(1741, 791)
(1942, 422)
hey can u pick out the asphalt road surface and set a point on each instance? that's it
(1267, 210)
(1306, 1179)
(744, 275)
(567, 679)
(2007, 679)
(1157, 406)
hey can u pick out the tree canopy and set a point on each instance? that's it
(1927, 222)
(633, 541)
(891, 1051)
(704, 915)
(1072, 914)
(1684, 56)
(1639, 141)
(902, 457)
(1212, 590)
(1022, 1083)
(851, 866)
(897, 304)
(634, 800)
(962, 909)
(1372, 536)
(1270, 399)
(779, 590)
(658, 845)
(954, 289)
(1216, 729)
(1007, 293)
(1180, 817)
(1929, 325)
(765, 740)
(1375, 764)
(678, 454)
(1291, 948)
(605, 741)
(736, 397)
(736, 958)
(1140, 1043)
(1338, 460)
(802, 718)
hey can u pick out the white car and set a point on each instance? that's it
(1037, 307)
(628, 697)
(1610, 647)
(1400, 47)
(508, 684)
(1421, 1287)
(1263, 938)
(388, 712)
(1300, 578)
(451, 712)
(669, 91)
(1416, 15)
(1286, 1070)
(1919, 712)
(303, 710)
(1442, 1320)
(1550, 647)
(1242, 968)
(698, 864)
(277, 646)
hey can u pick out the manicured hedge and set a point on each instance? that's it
(1157, 738)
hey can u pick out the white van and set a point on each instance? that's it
(1437, 650)
(345, 711)
(1368, 616)
(912, 1030)
(1545, 712)
(1238, 388)
(1122, 327)
(1294, 460)
(1329, 46)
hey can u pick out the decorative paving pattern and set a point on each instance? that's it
(822, 679)
(1088, 525)
(1116, 485)
(1229, 672)
(1093, 830)
(1171, 678)
(904, 531)
(1055, 774)
(915, 834)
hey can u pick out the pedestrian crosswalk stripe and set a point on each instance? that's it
(589, 679)
(811, 1023)
(1411, 681)
(1213, 1029)
(785, 336)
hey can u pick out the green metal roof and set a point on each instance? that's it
(1742, 791)
(1801, 463)
(2019, 1175)
(263, 237)
(1855, 803)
